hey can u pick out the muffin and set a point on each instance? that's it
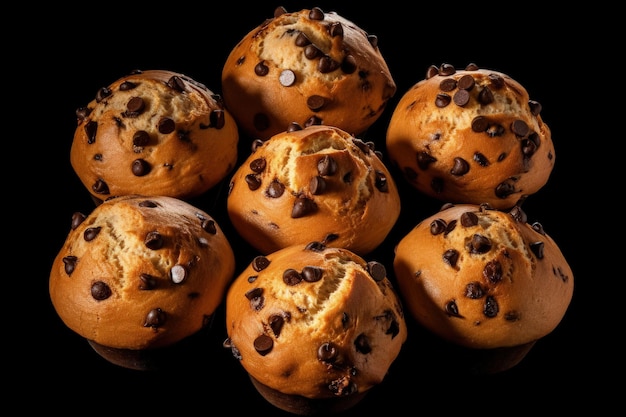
(139, 275)
(484, 280)
(153, 132)
(308, 67)
(316, 328)
(471, 136)
(317, 183)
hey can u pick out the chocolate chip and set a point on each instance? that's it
(313, 121)
(259, 263)
(275, 189)
(447, 84)
(437, 226)
(178, 274)
(147, 203)
(442, 100)
(504, 189)
(257, 301)
(311, 52)
(450, 227)
(315, 102)
(127, 86)
(166, 125)
(263, 344)
(103, 93)
(493, 271)
(294, 127)
(451, 257)
(91, 129)
(431, 71)
(452, 309)
(276, 322)
(373, 40)
(279, 11)
(348, 65)
(303, 206)
(208, 225)
(381, 182)
(537, 249)
(315, 246)
(518, 214)
(480, 124)
(495, 130)
(217, 118)
(424, 159)
(91, 233)
(258, 165)
(326, 64)
(461, 98)
(287, 78)
(377, 270)
(469, 219)
(535, 107)
(100, 291)
(141, 138)
(538, 227)
(140, 167)
(155, 318)
(496, 80)
(77, 219)
(327, 352)
(335, 29)
(474, 290)
(312, 273)
(460, 167)
(317, 185)
(485, 96)
(153, 240)
(253, 181)
(135, 107)
(481, 159)
(70, 264)
(176, 83)
(82, 113)
(490, 309)
(479, 244)
(520, 128)
(291, 277)
(302, 40)
(466, 82)
(446, 69)
(330, 238)
(256, 144)
(362, 344)
(327, 165)
(261, 69)
(471, 67)
(147, 282)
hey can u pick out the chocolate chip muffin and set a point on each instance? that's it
(154, 132)
(484, 280)
(317, 183)
(308, 67)
(471, 136)
(139, 275)
(316, 328)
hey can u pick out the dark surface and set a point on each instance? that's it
(561, 372)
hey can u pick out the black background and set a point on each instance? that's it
(102, 43)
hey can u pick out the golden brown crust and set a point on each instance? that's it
(116, 279)
(154, 133)
(317, 68)
(492, 149)
(483, 278)
(332, 331)
(353, 199)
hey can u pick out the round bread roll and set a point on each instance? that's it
(309, 67)
(315, 327)
(154, 133)
(483, 278)
(471, 136)
(318, 183)
(140, 273)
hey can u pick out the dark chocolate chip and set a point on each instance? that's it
(100, 291)
(208, 225)
(377, 270)
(461, 98)
(451, 257)
(153, 240)
(460, 167)
(91, 233)
(257, 300)
(496, 80)
(261, 69)
(446, 69)
(348, 65)
(431, 71)
(312, 273)
(77, 219)
(275, 189)
(471, 67)
(311, 52)
(70, 264)
(424, 159)
(294, 127)
(166, 125)
(480, 124)
(147, 282)
(327, 352)
(537, 249)
(520, 128)
(302, 40)
(303, 206)
(82, 113)
(447, 84)
(326, 165)
(485, 96)
(317, 185)
(450, 227)
(260, 262)
(155, 318)
(316, 14)
(381, 182)
(493, 271)
(103, 93)
(313, 121)
(452, 309)
(176, 83)
(253, 181)
(326, 64)
(135, 107)
(140, 167)
(373, 40)
(538, 227)
(466, 82)
(469, 219)
(315, 246)
(141, 138)
(315, 102)
(91, 129)
(276, 322)
(217, 118)
(481, 159)
(504, 189)
(335, 29)
(362, 344)
(442, 100)
(437, 226)
(474, 290)
(263, 344)
(518, 214)
(535, 107)
(258, 165)
(292, 277)
(479, 244)
(490, 309)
